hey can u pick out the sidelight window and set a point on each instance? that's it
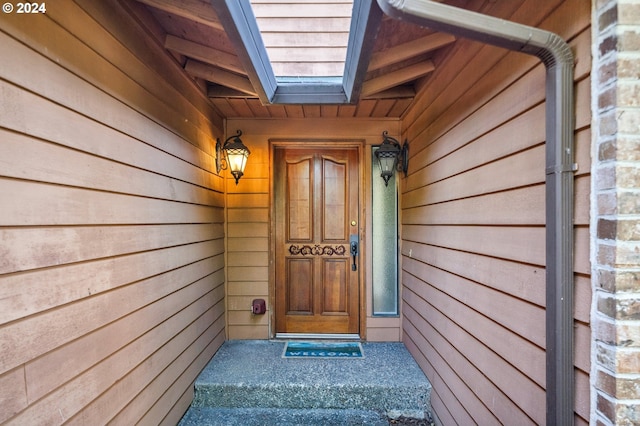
(385, 243)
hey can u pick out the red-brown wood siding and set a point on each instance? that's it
(473, 237)
(111, 222)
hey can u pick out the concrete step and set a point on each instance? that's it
(295, 395)
(208, 416)
(252, 375)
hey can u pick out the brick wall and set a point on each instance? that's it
(616, 212)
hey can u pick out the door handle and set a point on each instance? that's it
(353, 243)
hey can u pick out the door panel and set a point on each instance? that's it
(300, 197)
(334, 288)
(316, 201)
(334, 186)
(300, 292)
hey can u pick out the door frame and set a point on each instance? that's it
(303, 143)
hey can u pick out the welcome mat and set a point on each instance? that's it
(342, 350)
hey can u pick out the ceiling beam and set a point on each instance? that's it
(204, 54)
(398, 92)
(194, 10)
(396, 78)
(408, 50)
(215, 91)
(220, 76)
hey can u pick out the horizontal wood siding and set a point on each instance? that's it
(111, 222)
(473, 226)
(248, 242)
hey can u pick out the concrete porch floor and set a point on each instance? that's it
(248, 382)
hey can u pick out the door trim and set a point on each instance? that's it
(308, 336)
(318, 143)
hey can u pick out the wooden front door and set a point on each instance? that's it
(316, 213)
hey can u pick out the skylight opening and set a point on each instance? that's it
(306, 40)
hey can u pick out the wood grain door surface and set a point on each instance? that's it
(316, 211)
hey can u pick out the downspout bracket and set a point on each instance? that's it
(563, 168)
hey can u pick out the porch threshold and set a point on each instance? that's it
(314, 336)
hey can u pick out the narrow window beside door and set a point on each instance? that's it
(385, 242)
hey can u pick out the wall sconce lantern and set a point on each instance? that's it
(391, 157)
(235, 155)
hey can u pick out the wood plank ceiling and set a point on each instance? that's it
(403, 57)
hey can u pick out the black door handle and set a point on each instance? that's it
(354, 251)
